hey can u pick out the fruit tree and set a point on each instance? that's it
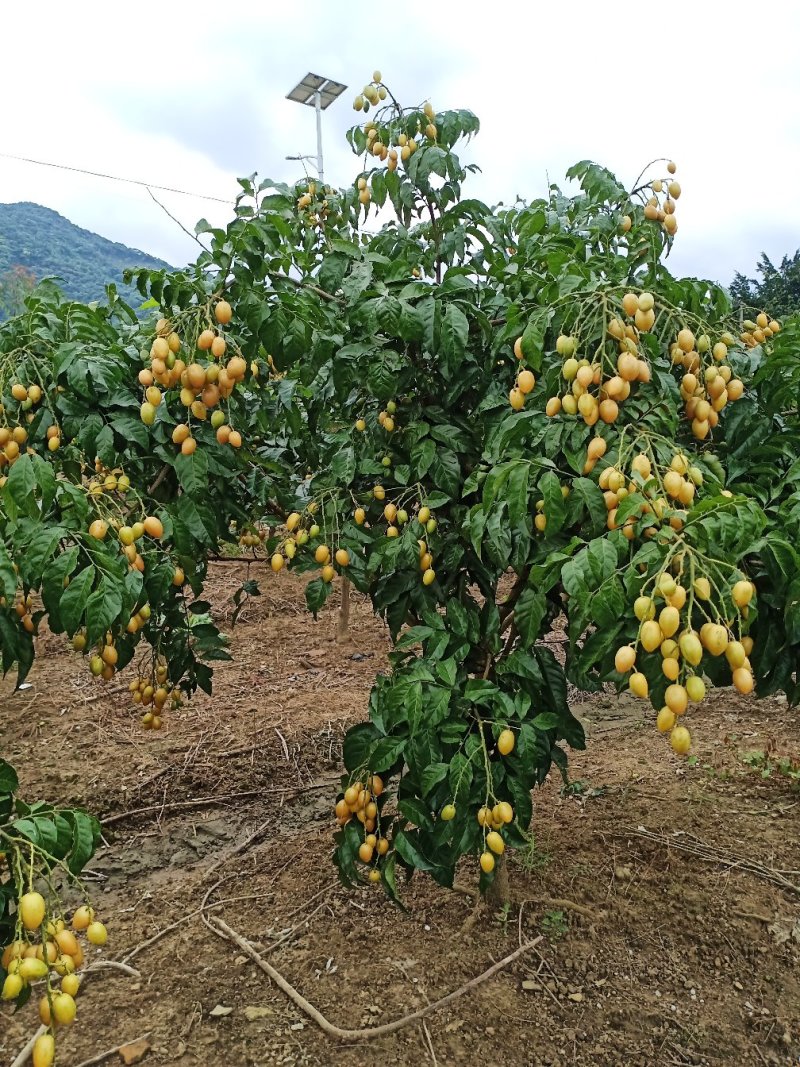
(495, 423)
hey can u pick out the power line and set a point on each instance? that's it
(114, 178)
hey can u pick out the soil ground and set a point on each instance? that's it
(650, 954)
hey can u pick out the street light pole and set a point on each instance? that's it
(319, 93)
(318, 108)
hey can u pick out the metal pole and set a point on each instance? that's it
(318, 108)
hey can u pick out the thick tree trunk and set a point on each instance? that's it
(343, 620)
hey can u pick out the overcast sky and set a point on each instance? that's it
(193, 94)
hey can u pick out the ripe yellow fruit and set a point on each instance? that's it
(495, 842)
(98, 529)
(702, 588)
(12, 987)
(644, 608)
(691, 648)
(96, 933)
(223, 312)
(328, 573)
(487, 862)
(676, 699)
(360, 516)
(665, 720)
(276, 562)
(429, 576)
(506, 742)
(516, 399)
(696, 689)
(44, 1050)
(526, 381)
(681, 740)
(669, 620)
(743, 680)
(32, 909)
(670, 668)
(638, 685)
(735, 654)
(742, 593)
(322, 554)
(686, 340)
(64, 1009)
(342, 557)
(650, 635)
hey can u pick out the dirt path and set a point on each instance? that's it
(670, 957)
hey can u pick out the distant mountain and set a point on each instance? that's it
(49, 245)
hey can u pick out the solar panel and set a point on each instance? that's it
(305, 90)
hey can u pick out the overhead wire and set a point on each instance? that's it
(114, 178)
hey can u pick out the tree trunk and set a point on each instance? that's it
(498, 895)
(343, 620)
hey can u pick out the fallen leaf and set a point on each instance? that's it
(219, 1010)
(252, 1013)
(134, 1051)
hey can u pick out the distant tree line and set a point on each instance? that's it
(776, 290)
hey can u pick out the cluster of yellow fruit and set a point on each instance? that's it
(153, 694)
(371, 93)
(252, 538)
(660, 207)
(492, 818)
(23, 606)
(524, 382)
(108, 480)
(396, 518)
(666, 492)
(584, 376)
(386, 419)
(708, 384)
(755, 333)
(128, 535)
(540, 518)
(56, 954)
(359, 801)
(301, 531)
(313, 206)
(663, 629)
(11, 441)
(203, 385)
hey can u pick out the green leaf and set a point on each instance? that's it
(22, 483)
(192, 472)
(103, 608)
(529, 611)
(9, 783)
(74, 598)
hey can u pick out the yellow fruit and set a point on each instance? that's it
(448, 812)
(44, 1050)
(743, 680)
(526, 381)
(742, 593)
(669, 620)
(702, 588)
(676, 699)
(64, 1009)
(638, 685)
(487, 862)
(96, 933)
(495, 842)
(650, 635)
(360, 516)
(735, 655)
(644, 608)
(328, 573)
(276, 562)
(670, 668)
(691, 648)
(516, 399)
(681, 740)
(32, 969)
(12, 987)
(505, 742)
(665, 720)
(223, 312)
(429, 576)
(696, 689)
(32, 909)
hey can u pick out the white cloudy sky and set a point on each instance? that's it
(193, 94)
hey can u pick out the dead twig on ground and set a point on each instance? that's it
(224, 931)
(685, 842)
(111, 1051)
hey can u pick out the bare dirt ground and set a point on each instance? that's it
(666, 893)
